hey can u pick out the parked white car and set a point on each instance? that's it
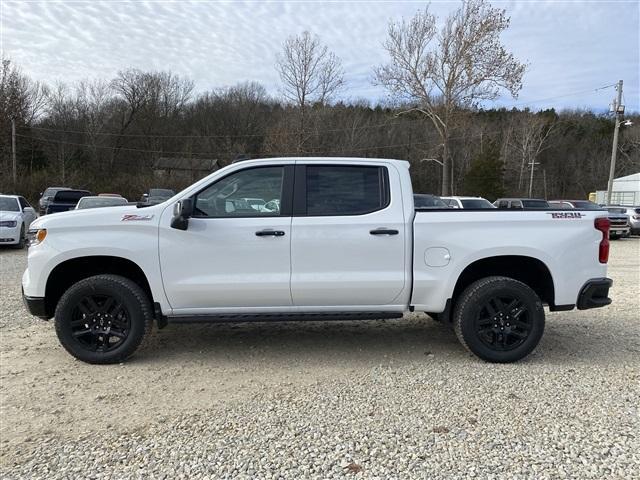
(100, 202)
(343, 241)
(16, 216)
(467, 202)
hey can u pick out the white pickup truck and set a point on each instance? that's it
(332, 238)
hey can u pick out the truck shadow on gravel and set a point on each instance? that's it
(374, 341)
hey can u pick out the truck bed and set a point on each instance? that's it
(446, 241)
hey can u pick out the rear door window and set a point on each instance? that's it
(345, 190)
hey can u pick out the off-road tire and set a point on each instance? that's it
(133, 300)
(471, 306)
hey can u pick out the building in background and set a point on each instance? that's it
(625, 191)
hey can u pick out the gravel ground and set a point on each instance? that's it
(383, 399)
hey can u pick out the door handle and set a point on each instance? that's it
(272, 233)
(383, 231)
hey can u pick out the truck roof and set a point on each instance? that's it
(331, 159)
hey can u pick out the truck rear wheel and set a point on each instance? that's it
(499, 319)
(103, 319)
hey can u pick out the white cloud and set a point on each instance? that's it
(570, 46)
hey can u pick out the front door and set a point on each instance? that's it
(348, 243)
(235, 253)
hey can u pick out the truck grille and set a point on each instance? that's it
(617, 222)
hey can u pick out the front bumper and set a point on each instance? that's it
(595, 294)
(36, 306)
(9, 235)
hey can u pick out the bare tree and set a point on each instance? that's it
(309, 72)
(456, 67)
(530, 137)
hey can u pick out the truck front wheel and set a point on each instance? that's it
(499, 319)
(103, 319)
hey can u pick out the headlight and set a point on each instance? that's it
(8, 223)
(36, 237)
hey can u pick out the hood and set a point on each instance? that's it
(105, 216)
(7, 216)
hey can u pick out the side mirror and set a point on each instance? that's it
(182, 211)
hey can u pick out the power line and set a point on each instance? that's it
(316, 152)
(565, 95)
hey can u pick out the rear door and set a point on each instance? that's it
(348, 236)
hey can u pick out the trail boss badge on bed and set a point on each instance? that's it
(566, 214)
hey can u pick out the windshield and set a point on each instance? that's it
(476, 203)
(617, 210)
(92, 202)
(585, 205)
(428, 201)
(51, 191)
(8, 204)
(161, 192)
(70, 196)
(535, 204)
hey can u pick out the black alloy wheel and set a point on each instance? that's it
(103, 319)
(503, 323)
(100, 323)
(499, 319)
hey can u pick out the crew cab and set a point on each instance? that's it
(341, 240)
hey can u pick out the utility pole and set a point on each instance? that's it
(618, 109)
(13, 150)
(532, 164)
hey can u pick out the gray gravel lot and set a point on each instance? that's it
(383, 399)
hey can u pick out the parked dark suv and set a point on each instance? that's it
(65, 200)
(47, 196)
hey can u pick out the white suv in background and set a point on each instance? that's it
(634, 219)
(15, 217)
(467, 202)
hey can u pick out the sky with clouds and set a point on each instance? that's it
(571, 47)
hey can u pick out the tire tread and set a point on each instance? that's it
(122, 283)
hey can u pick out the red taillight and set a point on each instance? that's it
(602, 224)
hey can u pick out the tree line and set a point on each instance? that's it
(106, 135)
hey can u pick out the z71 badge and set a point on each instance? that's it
(136, 218)
(566, 214)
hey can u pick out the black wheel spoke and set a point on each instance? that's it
(485, 321)
(100, 323)
(84, 309)
(518, 334)
(511, 307)
(519, 311)
(107, 305)
(91, 303)
(503, 322)
(491, 309)
(519, 323)
(117, 333)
